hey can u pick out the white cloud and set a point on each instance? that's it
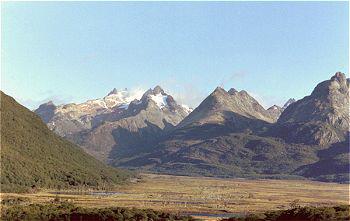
(227, 80)
(190, 96)
(135, 93)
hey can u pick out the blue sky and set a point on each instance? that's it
(74, 51)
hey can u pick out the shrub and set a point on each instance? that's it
(336, 213)
(68, 211)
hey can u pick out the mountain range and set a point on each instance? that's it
(229, 134)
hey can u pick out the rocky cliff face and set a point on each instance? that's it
(321, 118)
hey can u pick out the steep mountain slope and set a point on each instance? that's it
(334, 164)
(321, 118)
(142, 123)
(32, 155)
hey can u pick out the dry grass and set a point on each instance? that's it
(210, 195)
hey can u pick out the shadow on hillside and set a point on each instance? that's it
(234, 123)
(333, 165)
(129, 143)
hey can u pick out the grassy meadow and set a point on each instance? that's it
(203, 197)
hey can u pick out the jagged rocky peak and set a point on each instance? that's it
(217, 98)
(274, 107)
(221, 107)
(275, 112)
(337, 84)
(47, 104)
(219, 89)
(50, 103)
(117, 98)
(219, 92)
(158, 90)
(339, 76)
(232, 91)
(244, 93)
(114, 91)
(119, 93)
(326, 111)
(158, 97)
(46, 111)
(339, 81)
(289, 102)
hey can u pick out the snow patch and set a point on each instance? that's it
(124, 106)
(187, 108)
(122, 97)
(160, 100)
(99, 102)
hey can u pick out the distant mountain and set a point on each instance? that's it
(321, 118)
(69, 119)
(127, 127)
(275, 112)
(221, 107)
(32, 155)
(72, 118)
(289, 102)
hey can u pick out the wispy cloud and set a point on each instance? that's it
(189, 93)
(229, 79)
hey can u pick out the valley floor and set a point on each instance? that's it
(209, 198)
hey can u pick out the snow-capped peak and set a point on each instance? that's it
(160, 100)
(114, 91)
(119, 97)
